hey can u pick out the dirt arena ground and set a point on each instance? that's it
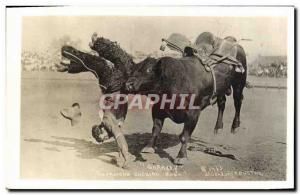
(52, 149)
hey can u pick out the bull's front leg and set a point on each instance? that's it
(185, 136)
(158, 121)
(157, 126)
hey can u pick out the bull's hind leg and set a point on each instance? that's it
(238, 98)
(184, 137)
(221, 107)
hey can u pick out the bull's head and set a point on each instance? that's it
(144, 77)
(72, 60)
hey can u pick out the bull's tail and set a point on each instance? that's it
(241, 57)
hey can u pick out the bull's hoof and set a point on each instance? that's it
(234, 130)
(148, 150)
(216, 131)
(180, 161)
(235, 126)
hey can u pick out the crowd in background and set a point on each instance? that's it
(263, 66)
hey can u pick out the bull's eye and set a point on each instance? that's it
(149, 70)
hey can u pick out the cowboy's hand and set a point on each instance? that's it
(61, 67)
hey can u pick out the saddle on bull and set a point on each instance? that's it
(208, 48)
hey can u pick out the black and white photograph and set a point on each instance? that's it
(178, 94)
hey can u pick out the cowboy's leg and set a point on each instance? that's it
(111, 125)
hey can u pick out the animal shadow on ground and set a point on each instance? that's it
(90, 150)
(212, 149)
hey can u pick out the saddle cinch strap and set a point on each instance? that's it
(216, 57)
(213, 98)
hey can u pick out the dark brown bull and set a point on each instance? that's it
(187, 75)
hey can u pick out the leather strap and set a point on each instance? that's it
(214, 79)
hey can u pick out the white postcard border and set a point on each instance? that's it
(13, 82)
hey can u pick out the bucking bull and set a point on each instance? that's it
(167, 75)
